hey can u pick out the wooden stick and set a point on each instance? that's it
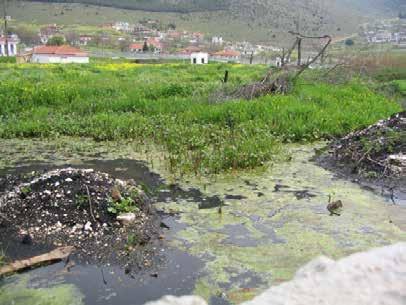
(51, 257)
(90, 203)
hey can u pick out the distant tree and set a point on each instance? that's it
(27, 35)
(172, 26)
(349, 42)
(72, 37)
(124, 45)
(56, 41)
(145, 47)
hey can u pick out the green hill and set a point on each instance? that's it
(182, 6)
(253, 20)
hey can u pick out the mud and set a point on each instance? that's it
(70, 207)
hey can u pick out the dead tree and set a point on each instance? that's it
(281, 81)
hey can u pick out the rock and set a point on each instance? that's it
(185, 300)
(88, 226)
(26, 239)
(116, 195)
(78, 226)
(374, 277)
(126, 218)
(397, 163)
(366, 278)
(68, 180)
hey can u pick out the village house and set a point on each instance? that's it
(199, 58)
(173, 35)
(10, 45)
(50, 30)
(155, 44)
(47, 32)
(136, 47)
(59, 54)
(122, 26)
(189, 50)
(227, 55)
(197, 37)
(217, 40)
(142, 31)
(85, 39)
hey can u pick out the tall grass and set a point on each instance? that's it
(168, 105)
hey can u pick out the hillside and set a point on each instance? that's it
(185, 6)
(182, 6)
(254, 20)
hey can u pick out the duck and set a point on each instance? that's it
(334, 207)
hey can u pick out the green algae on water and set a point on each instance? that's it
(18, 292)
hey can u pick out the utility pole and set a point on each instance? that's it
(5, 26)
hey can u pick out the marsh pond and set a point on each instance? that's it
(225, 237)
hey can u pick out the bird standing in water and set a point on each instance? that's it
(334, 207)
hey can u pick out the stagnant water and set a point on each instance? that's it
(274, 220)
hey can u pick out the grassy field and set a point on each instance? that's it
(168, 105)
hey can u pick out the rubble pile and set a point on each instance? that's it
(102, 217)
(378, 151)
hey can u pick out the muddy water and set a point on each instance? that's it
(272, 221)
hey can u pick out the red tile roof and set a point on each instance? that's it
(190, 50)
(227, 53)
(59, 50)
(154, 42)
(136, 46)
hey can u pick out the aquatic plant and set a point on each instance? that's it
(168, 105)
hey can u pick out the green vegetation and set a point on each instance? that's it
(132, 241)
(401, 86)
(56, 41)
(126, 205)
(17, 290)
(6, 59)
(168, 105)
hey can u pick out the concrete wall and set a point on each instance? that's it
(199, 58)
(12, 49)
(54, 59)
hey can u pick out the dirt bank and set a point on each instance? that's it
(376, 154)
(80, 208)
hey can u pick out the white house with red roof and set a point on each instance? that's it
(227, 55)
(9, 44)
(59, 55)
(154, 43)
(136, 47)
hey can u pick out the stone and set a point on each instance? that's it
(88, 226)
(126, 218)
(366, 278)
(185, 300)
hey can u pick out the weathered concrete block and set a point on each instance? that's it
(366, 278)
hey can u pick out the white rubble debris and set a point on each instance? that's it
(366, 278)
(185, 300)
(88, 226)
(397, 163)
(126, 218)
